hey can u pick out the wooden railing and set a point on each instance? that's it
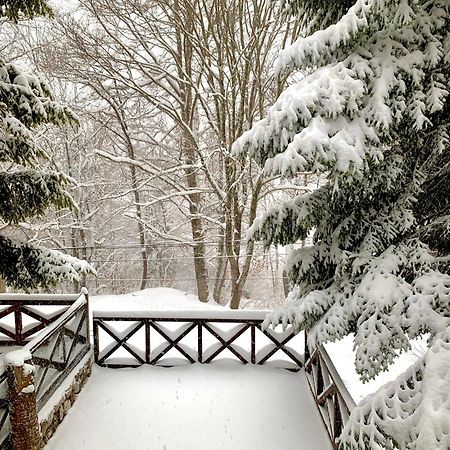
(330, 394)
(151, 338)
(59, 349)
(198, 336)
(4, 410)
(22, 316)
(195, 336)
(55, 351)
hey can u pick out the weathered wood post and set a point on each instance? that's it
(84, 292)
(25, 430)
(307, 355)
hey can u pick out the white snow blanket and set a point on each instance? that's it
(209, 407)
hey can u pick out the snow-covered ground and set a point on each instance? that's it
(216, 406)
(209, 407)
(341, 352)
(164, 299)
(202, 407)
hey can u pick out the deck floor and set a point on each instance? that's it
(209, 407)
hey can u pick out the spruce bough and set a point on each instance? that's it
(27, 189)
(372, 116)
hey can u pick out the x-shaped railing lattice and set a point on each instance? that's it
(35, 309)
(53, 353)
(105, 356)
(118, 342)
(172, 343)
(331, 396)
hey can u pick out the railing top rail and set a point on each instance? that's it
(53, 327)
(177, 315)
(9, 297)
(342, 389)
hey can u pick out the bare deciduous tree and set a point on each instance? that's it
(172, 85)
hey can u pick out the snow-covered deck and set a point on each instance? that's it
(212, 406)
(197, 407)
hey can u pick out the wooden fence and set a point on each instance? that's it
(23, 316)
(55, 329)
(4, 410)
(125, 340)
(330, 394)
(195, 336)
(56, 350)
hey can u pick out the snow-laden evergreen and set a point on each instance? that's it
(372, 114)
(23, 9)
(27, 188)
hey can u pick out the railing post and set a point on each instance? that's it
(25, 430)
(96, 341)
(307, 355)
(337, 418)
(200, 342)
(253, 343)
(84, 292)
(147, 341)
(18, 322)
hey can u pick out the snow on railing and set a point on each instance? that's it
(330, 394)
(4, 406)
(59, 348)
(169, 338)
(24, 315)
(60, 341)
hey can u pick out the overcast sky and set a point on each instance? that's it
(63, 5)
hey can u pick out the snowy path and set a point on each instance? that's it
(214, 407)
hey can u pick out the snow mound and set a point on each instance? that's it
(164, 299)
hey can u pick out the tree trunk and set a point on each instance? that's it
(189, 146)
(79, 229)
(201, 272)
(239, 272)
(137, 203)
(288, 250)
(25, 428)
(285, 283)
(221, 270)
(236, 294)
(118, 111)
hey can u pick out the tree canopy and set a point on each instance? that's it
(371, 114)
(15, 10)
(27, 186)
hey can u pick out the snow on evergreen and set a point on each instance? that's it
(372, 114)
(27, 189)
(24, 9)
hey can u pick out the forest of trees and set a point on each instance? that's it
(161, 91)
(188, 120)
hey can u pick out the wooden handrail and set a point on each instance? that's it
(247, 327)
(72, 326)
(58, 343)
(23, 304)
(328, 390)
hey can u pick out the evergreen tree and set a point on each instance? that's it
(27, 188)
(372, 114)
